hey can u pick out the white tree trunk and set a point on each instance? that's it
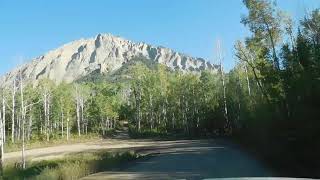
(49, 130)
(78, 116)
(86, 127)
(23, 115)
(23, 142)
(62, 122)
(40, 120)
(107, 123)
(68, 129)
(139, 110)
(239, 102)
(165, 109)
(247, 78)
(77, 98)
(1, 145)
(224, 96)
(185, 115)
(151, 111)
(103, 128)
(30, 124)
(13, 110)
(45, 112)
(4, 118)
(173, 120)
(46, 95)
(19, 126)
(220, 59)
(82, 113)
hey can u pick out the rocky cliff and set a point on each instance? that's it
(104, 53)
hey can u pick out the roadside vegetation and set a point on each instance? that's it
(36, 143)
(269, 101)
(70, 167)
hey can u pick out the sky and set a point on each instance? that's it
(31, 28)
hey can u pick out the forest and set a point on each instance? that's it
(271, 98)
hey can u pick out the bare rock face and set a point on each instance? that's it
(104, 53)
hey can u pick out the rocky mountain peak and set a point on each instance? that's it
(104, 53)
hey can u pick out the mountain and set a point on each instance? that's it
(103, 54)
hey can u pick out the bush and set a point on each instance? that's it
(71, 167)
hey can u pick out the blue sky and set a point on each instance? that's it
(31, 28)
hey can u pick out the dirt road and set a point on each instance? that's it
(62, 150)
(190, 159)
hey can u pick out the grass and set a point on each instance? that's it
(71, 167)
(37, 142)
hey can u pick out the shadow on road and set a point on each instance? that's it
(189, 159)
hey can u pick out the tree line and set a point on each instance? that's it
(274, 90)
(44, 111)
(271, 95)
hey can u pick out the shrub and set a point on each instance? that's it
(71, 167)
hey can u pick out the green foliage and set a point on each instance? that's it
(71, 167)
(163, 102)
(283, 106)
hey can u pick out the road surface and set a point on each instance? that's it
(189, 159)
(62, 150)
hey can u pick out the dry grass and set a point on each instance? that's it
(71, 167)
